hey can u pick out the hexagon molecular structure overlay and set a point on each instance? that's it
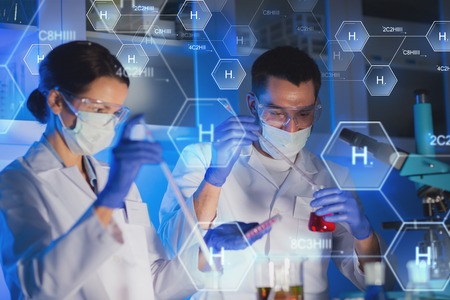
(354, 33)
(228, 74)
(233, 265)
(11, 100)
(35, 54)
(133, 59)
(418, 256)
(302, 5)
(335, 58)
(196, 122)
(359, 155)
(194, 15)
(103, 15)
(215, 5)
(380, 80)
(153, 41)
(239, 40)
(439, 36)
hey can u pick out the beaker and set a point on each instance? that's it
(318, 224)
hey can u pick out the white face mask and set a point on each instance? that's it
(289, 143)
(90, 134)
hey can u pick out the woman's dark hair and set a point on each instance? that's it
(288, 63)
(73, 66)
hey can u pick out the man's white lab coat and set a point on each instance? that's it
(53, 246)
(250, 195)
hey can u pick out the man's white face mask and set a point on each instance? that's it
(90, 134)
(289, 143)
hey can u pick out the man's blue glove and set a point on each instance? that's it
(344, 208)
(128, 157)
(229, 237)
(229, 138)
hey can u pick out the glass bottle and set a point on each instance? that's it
(374, 272)
(288, 283)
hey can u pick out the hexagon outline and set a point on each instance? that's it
(223, 4)
(365, 41)
(108, 29)
(428, 32)
(394, 240)
(217, 66)
(392, 205)
(141, 50)
(326, 64)
(388, 251)
(142, 13)
(224, 103)
(9, 124)
(192, 235)
(333, 136)
(207, 9)
(23, 32)
(29, 49)
(250, 49)
(312, 7)
(367, 75)
(158, 45)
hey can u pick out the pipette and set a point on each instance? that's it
(180, 199)
(314, 186)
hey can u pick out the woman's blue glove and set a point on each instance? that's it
(228, 142)
(128, 157)
(344, 208)
(229, 237)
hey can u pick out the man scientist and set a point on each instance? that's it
(257, 183)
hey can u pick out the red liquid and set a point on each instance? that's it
(318, 224)
(263, 293)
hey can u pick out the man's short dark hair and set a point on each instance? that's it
(288, 63)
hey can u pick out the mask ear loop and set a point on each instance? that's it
(65, 103)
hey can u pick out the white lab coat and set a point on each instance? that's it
(54, 247)
(250, 195)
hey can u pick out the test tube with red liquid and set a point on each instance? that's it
(264, 225)
(318, 224)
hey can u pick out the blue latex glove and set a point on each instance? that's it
(128, 157)
(344, 208)
(229, 139)
(229, 237)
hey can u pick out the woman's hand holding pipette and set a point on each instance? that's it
(128, 157)
(229, 237)
(229, 138)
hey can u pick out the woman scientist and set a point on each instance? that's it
(71, 227)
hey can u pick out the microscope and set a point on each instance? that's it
(431, 178)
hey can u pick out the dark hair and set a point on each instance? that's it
(73, 66)
(286, 62)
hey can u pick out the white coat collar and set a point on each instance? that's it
(45, 164)
(305, 162)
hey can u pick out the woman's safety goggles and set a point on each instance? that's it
(118, 113)
(279, 117)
